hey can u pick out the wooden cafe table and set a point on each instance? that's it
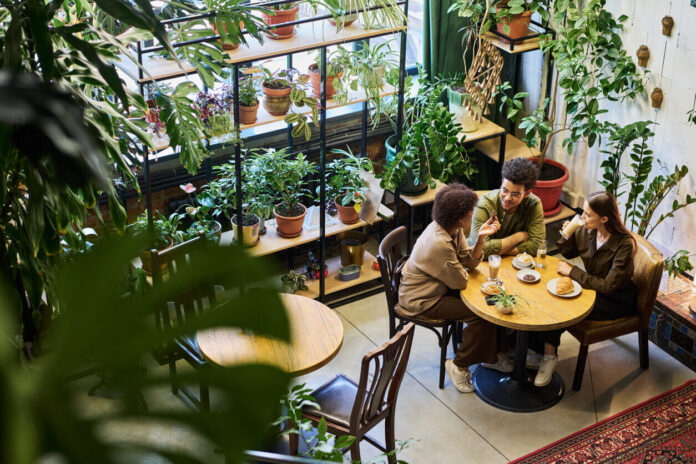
(544, 311)
(316, 335)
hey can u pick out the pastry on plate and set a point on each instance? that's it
(564, 285)
(493, 289)
(524, 259)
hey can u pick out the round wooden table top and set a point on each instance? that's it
(316, 333)
(544, 311)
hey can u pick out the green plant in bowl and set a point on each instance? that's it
(344, 183)
(507, 303)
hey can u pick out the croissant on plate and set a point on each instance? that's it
(564, 285)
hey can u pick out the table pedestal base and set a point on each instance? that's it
(500, 390)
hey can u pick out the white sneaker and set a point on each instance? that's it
(460, 378)
(546, 370)
(504, 364)
(533, 360)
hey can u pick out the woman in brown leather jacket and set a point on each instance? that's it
(606, 248)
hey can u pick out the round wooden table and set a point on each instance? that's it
(316, 335)
(544, 311)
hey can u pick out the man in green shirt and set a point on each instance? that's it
(518, 210)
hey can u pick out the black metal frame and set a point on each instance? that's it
(140, 51)
(513, 41)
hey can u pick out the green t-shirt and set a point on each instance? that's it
(529, 216)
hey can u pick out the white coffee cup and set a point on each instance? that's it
(572, 226)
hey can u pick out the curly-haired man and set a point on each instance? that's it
(519, 211)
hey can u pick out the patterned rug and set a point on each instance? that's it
(661, 430)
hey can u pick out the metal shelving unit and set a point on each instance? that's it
(306, 39)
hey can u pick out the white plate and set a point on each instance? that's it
(551, 287)
(522, 266)
(486, 284)
(522, 272)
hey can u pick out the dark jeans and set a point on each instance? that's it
(479, 338)
(607, 308)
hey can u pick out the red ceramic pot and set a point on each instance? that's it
(549, 191)
(315, 79)
(346, 214)
(519, 25)
(281, 16)
(289, 227)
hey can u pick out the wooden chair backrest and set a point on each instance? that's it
(381, 374)
(390, 260)
(189, 302)
(648, 264)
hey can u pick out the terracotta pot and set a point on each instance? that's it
(315, 79)
(549, 191)
(247, 114)
(146, 263)
(289, 227)
(250, 233)
(346, 214)
(281, 16)
(225, 45)
(519, 25)
(276, 101)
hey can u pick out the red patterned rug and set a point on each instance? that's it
(661, 430)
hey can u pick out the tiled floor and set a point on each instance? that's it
(450, 427)
(445, 425)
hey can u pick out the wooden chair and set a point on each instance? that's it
(353, 409)
(648, 263)
(185, 305)
(390, 259)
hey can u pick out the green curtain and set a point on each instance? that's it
(442, 41)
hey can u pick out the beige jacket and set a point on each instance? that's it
(437, 264)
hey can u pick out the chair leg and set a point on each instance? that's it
(444, 343)
(389, 440)
(172, 375)
(355, 451)
(455, 336)
(205, 397)
(643, 348)
(392, 326)
(580, 367)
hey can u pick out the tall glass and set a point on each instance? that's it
(572, 226)
(493, 267)
(541, 254)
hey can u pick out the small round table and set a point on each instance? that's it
(544, 311)
(316, 335)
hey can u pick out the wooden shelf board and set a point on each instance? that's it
(565, 213)
(271, 242)
(520, 47)
(429, 196)
(486, 129)
(264, 117)
(333, 284)
(309, 36)
(514, 148)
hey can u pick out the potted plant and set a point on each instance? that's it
(344, 19)
(365, 69)
(279, 14)
(587, 48)
(201, 215)
(430, 147)
(165, 234)
(281, 89)
(334, 71)
(345, 187)
(214, 109)
(293, 281)
(285, 176)
(507, 303)
(248, 103)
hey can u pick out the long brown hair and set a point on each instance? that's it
(604, 204)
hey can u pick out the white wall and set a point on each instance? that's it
(672, 67)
